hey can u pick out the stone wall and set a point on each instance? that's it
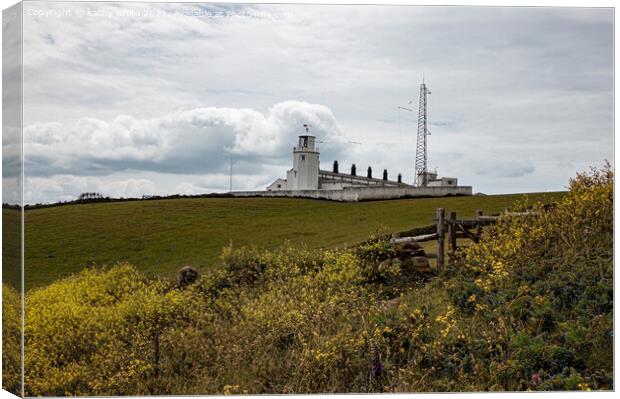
(354, 194)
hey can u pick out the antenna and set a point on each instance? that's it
(307, 126)
(421, 145)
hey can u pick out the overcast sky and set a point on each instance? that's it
(129, 99)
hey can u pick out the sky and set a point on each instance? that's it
(132, 99)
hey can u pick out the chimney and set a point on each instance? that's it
(400, 178)
(369, 173)
(353, 170)
(385, 174)
(335, 166)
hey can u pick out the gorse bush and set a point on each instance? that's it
(528, 308)
(370, 255)
(99, 332)
(546, 284)
(11, 340)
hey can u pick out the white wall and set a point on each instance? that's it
(354, 194)
(305, 172)
(280, 184)
(444, 182)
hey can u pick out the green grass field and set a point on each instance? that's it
(160, 236)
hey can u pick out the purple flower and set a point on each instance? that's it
(536, 379)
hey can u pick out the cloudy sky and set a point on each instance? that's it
(129, 99)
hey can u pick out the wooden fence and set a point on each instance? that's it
(452, 228)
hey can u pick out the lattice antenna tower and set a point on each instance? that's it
(421, 171)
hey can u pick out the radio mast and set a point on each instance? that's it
(421, 175)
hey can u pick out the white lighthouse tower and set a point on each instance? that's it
(305, 172)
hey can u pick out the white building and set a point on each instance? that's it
(433, 181)
(305, 172)
(307, 175)
(307, 179)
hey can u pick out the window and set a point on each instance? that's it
(279, 186)
(303, 157)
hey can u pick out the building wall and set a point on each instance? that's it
(305, 172)
(354, 194)
(330, 180)
(444, 182)
(280, 184)
(333, 184)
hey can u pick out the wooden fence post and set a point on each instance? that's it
(440, 238)
(479, 229)
(452, 232)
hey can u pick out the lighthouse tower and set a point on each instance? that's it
(305, 172)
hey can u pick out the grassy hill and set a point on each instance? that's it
(160, 236)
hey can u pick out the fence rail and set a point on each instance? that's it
(449, 228)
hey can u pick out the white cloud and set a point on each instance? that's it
(68, 187)
(503, 167)
(135, 184)
(192, 141)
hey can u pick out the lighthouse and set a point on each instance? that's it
(306, 179)
(305, 172)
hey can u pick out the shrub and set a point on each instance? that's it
(548, 279)
(98, 333)
(11, 340)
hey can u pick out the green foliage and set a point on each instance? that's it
(371, 253)
(547, 282)
(528, 308)
(99, 333)
(11, 340)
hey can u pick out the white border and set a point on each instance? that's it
(524, 3)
